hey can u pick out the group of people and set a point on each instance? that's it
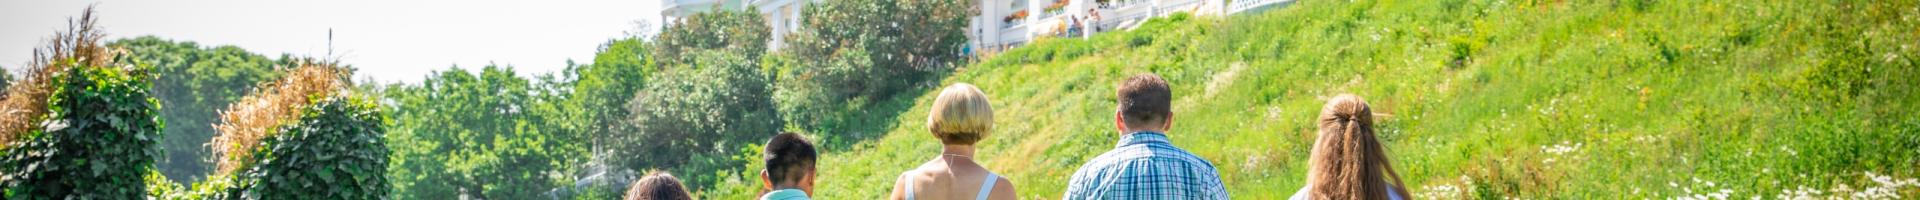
(1347, 160)
(1083, 25)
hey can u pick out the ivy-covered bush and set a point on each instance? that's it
(335, 151)
(101, 130)
(98, 134)
(303, 136)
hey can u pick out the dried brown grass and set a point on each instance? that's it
(25, 103)
(271, 104)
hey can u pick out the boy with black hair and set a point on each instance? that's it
(789, 173)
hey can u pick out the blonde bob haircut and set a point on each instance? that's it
(961, 115)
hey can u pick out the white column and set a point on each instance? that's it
(774, 18)
(1034, 9)
(990, 23)
(1220, 6)
(1153, 11)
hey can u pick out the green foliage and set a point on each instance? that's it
(807, 90)
(600, 194)
(706, 94)
(690, 119)
(842, 71)
(213, 187)
(334, 151)
(737, 184)
(743, 31)
(196, 83)
(103, 127)
(6, 79)
(905, 39)
(619, 70)
(486, 135)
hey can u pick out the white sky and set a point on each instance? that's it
(390, 40)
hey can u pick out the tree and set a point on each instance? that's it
(743, 31)
(485, 135)
(904, 42)
(6, 79)
(619, 70)
(854, 53)
(195, 84)
(694, 119)
(693, 95)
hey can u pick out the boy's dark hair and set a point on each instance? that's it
(789, 157)
(1144, 100)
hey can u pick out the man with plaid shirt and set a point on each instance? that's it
(1144, 165)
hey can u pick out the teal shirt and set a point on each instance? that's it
(787, 194)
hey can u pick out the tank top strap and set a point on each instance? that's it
(986, 187)
(909, 183)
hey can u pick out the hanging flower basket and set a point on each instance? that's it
(1057, 6)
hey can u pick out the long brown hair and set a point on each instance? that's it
(658, 186)
(1348, 161)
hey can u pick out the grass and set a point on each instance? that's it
(1481, 99)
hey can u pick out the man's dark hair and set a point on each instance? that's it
(1144, 100)
(789, 157)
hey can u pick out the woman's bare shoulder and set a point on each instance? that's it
(1003, 189)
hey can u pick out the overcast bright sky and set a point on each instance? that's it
(390, 40)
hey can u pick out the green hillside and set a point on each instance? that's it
(1526, 99)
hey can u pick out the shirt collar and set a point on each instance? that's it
(1142, 137)
(785, 194)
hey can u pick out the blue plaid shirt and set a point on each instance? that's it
(1145, 166)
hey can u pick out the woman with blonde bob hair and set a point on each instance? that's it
(1348, 161)
(960, 117)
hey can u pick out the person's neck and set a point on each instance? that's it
(957, 150)
(1154, 130)
(1157, 128)
(787, 187)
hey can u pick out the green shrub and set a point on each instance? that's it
(102, 134)
(81, 124)
(335, 151)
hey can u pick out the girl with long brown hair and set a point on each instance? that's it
(658, 185)
(1348, 161)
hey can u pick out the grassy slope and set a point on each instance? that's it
(1483, 98)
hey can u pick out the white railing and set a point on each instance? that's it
(1116, 4)
(1180, 5)
(1243, 5)
(1114, 15)
(674, 3)
(1111, 18)
(1013, 35)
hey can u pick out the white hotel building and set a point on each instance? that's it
(998, 23)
